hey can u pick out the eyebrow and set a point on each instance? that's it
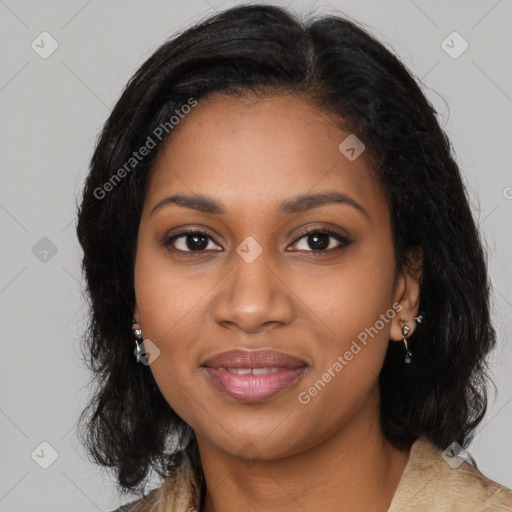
(296, 204)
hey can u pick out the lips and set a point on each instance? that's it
(254, 359)
(255, 375)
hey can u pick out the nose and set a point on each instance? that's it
(253, 297)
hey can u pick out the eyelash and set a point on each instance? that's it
(308, 232)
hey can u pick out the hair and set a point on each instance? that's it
(342, 70)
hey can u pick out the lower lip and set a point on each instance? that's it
(254, 388)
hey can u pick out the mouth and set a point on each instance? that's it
(255, 375)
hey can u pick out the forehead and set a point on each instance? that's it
(259, 152)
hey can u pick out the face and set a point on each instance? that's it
(243, 273)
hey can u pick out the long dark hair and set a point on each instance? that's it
(341, 69)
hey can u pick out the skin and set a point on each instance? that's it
(280, 454)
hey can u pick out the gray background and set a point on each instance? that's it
(51, 112)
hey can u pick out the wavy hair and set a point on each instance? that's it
(340, 68)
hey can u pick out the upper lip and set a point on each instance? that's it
(262, 358)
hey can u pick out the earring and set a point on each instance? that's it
(138, 334)
(405, 331)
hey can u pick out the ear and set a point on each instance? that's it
(407, 294)
(135, 310)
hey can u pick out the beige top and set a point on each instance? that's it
(428, 484)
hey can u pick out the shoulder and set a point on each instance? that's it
(145, 504)
(127, 506)
(148, 503)
(179, 492)
(447, 483)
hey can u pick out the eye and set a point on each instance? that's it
(193, 241)
(319, 240)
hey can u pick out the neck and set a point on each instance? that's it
(355, 468)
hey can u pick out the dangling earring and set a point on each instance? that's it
(405, 331)
(138, 334)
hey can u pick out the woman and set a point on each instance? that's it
(274, 211)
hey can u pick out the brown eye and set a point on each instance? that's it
(193, 241)
(322, 240)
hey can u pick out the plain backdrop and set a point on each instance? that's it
(52, 108)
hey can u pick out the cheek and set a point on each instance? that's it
(167, 297)
(172, 312)
(350, 296)
(354, 311)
